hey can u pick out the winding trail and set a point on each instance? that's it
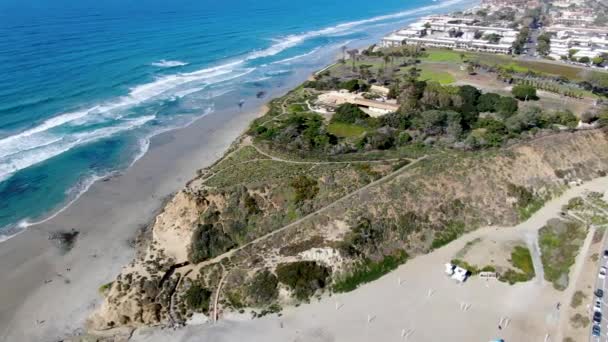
(384, 179)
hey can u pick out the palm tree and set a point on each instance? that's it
(353, 58)
(386, 59)
(344, 48)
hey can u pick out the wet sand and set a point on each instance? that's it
(47, 293)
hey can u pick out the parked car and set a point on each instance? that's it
(597, 306)
(599, 293)
(606, 254)
(597, 317)
(602, 273)
(596, 331)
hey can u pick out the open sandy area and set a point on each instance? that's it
(418, 302)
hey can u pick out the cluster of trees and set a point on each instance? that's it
(520, 42)
(524, 92)
(544, 44)
(303, 277)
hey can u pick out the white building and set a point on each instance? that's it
(454, 33)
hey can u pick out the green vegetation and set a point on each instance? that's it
(524, 92)
(521, 260)
(208, 242)
(345, 130)
(436, 55)
(349, 113)
(441, 77)
(105, 287)
(369, 271)
(450, 232)
(305, 188)
(262, 289)
(473, 269)
(303, 277)
(197, 298)
(527, 203)
(560, 242)
(577, 299)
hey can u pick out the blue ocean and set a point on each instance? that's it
(85, 84)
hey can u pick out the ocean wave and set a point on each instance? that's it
(287, 42)
(168, 64)
(291, 59)
(18, 161)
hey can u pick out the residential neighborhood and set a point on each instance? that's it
(569, 31)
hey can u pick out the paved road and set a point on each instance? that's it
(601, 284)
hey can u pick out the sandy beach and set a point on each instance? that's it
(47, 294)
(417, 302)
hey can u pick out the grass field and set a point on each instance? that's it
(439, 55)
(441, 77)
(345, 130)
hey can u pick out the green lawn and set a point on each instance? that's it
(438, 76)
(345, 130)
(439, 55)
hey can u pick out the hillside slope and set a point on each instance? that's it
(273, 232)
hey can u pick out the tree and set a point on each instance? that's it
(571, 53)
(492, 38)
(348, 113)
(507, 106)
(597, 61)
(584, 60)
(344, 48)
(488, 102)
(544, 44)
(524, 92)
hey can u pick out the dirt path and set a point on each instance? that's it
(315, 213)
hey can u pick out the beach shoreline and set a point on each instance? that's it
(48, 293)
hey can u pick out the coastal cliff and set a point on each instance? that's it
(253, 229)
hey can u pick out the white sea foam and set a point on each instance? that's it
(291, 59)
(168, 64)
(24, 159)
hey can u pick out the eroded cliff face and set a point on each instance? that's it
(413, 210)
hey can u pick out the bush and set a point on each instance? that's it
(507, 106)
(352, 85)
(348, 113)
(303, 277)
(488, 102)
(305, 188)
(262, 289)
(369, 271)
(208, 242)
(197, 298)
(451, 232)
(524, 92)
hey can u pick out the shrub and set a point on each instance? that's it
(208, 242)
(197, 298)
(488, 102)
(507, 106)
(305, 188)
(303, 277)
(369, 271)
(450, 233)
(352, 85)
(262, 289)
(524, 92)
(348, 113)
